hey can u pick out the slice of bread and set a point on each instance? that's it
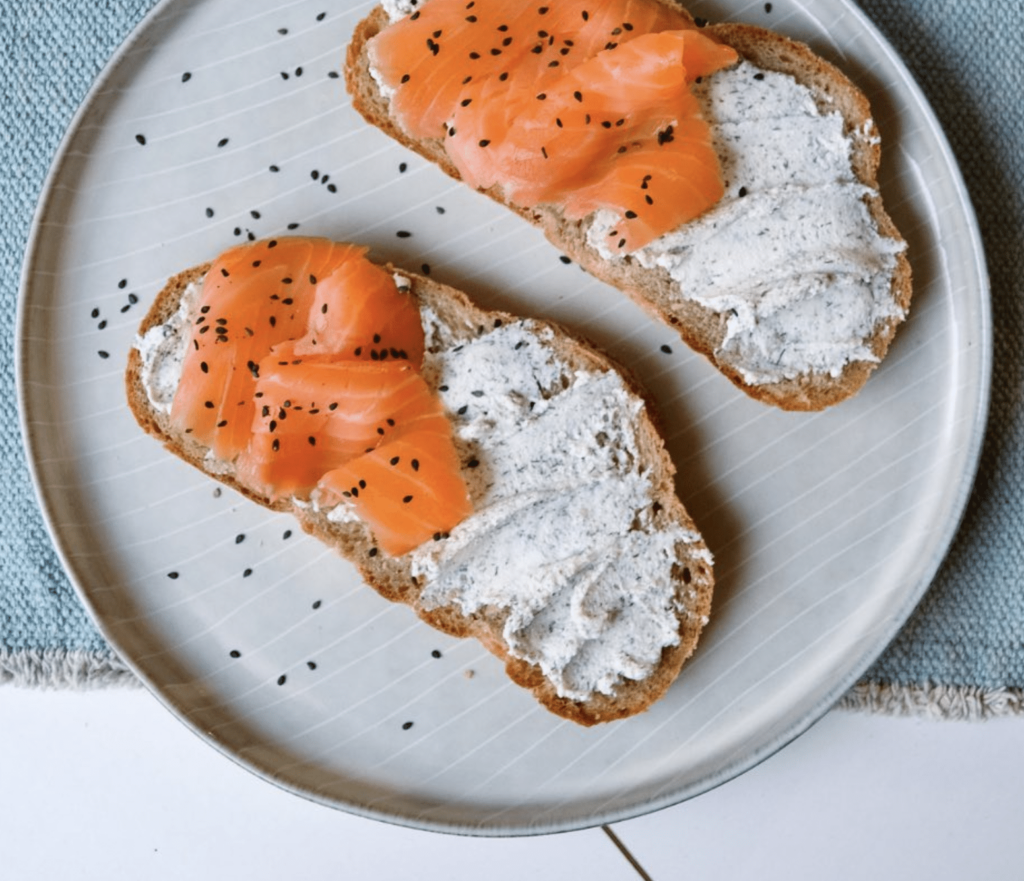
(703, 328)
(674, 585)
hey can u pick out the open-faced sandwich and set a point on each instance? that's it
(724, 176)
(499, 476)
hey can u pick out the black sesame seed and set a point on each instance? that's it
(415, 464)
(172, 575)
(287, 534)
(631, 215)
(578, 96)
(235, 653)
(484, 142)
(209, 212)
(473, 463)
(402, 234)
(742, 192)
(372, 552)
(247, 573)
(282, 679)
(186, 76)
(275, 168)
(311, 665)
(141, 139)
(406, 726)
(435, 654)
(406, 499)
(239, 538)
(222, 142)
(565, 260)
(667, 349)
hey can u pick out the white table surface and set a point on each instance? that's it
(109, 785)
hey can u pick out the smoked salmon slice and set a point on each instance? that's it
(402, 486)
(583, 106)
(304, 358)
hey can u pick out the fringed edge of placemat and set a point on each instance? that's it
(84, 670)
(943, 702)
(64, 669)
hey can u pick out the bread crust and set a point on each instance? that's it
(702, 329)
(392, 577)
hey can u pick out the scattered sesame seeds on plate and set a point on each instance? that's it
(826, 528)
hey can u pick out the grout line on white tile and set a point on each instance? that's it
(625, 852)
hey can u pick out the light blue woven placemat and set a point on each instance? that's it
(961, 654)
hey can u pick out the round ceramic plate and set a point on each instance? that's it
(211, 126)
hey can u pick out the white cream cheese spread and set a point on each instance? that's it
(791, 253)
(162, 350)
(561, 539)
(397, 9)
